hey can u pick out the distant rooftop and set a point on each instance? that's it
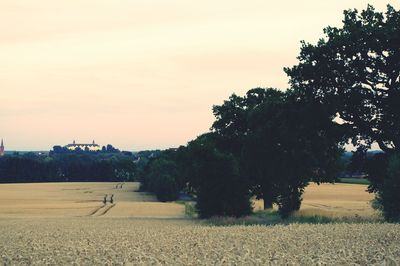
(93, 144)
(84, 146)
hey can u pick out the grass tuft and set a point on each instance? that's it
(271, 217)
(190, 208)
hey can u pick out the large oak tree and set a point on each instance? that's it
(354, 71)
(281, 144)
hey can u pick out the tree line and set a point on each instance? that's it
(263, 144)
(271, 143)
(67, 167)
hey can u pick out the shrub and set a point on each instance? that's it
(221, 190)
(161, 178)
(166, 188)
(390, 193)
(289, 201)
(384, 174)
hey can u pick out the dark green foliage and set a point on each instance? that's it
(390, 195)
(377, 171)
(161, 178)
(111, 149)
(289, 198)
(233, 126)
(167, 189)
(281, 144)
(358, 160)
(232, 123)
(124, 167)
(199, 169)
(220, 189)
(16, 169)
(66, 167)
(165, 173)
(384, 174)
(355, 72)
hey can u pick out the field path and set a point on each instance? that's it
(93, 212)
(104, 210)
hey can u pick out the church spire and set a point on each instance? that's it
(2, 148)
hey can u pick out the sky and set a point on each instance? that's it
(143, 74)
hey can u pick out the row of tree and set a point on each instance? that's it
(73, 167)
(270, 143)
(264, 144)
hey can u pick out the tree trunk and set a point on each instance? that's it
(267, 203)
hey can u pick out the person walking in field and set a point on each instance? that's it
(105, 199)
(112, 199)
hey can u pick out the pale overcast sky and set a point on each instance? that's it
(143, 74)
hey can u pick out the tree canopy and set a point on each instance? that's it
(354, 71)
(281, 144)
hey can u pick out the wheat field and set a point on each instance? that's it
(82, 199)
(67, 223)
(85, 199)
(334, 200)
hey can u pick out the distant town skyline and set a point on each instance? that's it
(143, 74)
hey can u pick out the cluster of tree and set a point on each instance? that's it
(264, 144)
(270, 143)
(66, 167)
(163, 175)
(355, 73)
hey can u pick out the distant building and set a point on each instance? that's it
(2, 148)
(84, 147)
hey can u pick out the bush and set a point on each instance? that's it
(166, 188)
(221, 190)
(161, 178)
(384, 174)
(390, 194)
(289, 201)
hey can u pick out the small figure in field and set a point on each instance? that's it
(112, 199)
(105, 199)
(121, 186)
(116, 186)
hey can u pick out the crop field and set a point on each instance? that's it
(88, 241)
(67, 223)
(335, 200)
(80, 200)
(85, 199)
